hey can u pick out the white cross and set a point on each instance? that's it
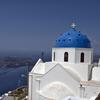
(73, 25)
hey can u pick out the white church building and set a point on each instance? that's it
(70, 73)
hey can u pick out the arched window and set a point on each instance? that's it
(54, 56)
(66, 56)
(82, 57)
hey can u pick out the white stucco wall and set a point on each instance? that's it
(65, 73)
(73, 55)
(30, 87)
(59, 74)
(90, 90)
(59, 54)
(34, 86)
(88, 55)
(83, 70)
(96, 73)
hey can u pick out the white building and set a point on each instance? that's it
(70, 73)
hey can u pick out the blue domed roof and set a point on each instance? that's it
(73, 39)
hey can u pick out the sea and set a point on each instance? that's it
(12, 78)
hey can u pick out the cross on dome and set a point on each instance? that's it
(73, 25)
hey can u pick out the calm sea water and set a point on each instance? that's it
(12, 78)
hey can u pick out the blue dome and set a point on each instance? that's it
(73, 39)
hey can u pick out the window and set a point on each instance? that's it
(54, 56)
(82, 57)
(66, 56)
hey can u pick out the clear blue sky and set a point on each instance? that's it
(33, 25)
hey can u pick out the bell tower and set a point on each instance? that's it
(72, 47)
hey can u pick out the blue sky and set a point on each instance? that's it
(28, 26)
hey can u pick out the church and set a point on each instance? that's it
(71, 72)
